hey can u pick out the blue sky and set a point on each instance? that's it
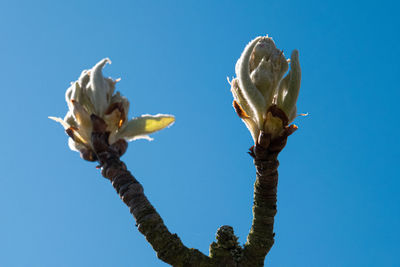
(338, 200)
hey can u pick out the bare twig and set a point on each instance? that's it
(168, 246)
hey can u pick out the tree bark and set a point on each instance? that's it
(168, 246)
(261, 236)
(226, 252)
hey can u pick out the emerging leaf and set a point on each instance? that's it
(93, 94)
(140, 127)
(260, 87)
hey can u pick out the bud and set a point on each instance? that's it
(93, 94)
(268, 99)
(289, 88)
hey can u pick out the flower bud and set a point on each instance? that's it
(93, 96)
(261, 92)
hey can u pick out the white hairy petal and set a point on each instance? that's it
(238, 96)
(250, 92)
(290, 86)
(99, 88)
(81, 116)
(253, 128)
(264, 79)
(75, 146)
(61, 121)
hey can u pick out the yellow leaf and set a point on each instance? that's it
(140, 127)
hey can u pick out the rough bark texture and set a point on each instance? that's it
(261, 236)
(168, 246)
(226, 252)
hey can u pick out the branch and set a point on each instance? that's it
(169, 247)
(261, 236)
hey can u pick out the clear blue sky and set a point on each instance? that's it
(338, 197)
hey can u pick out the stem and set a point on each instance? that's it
(169, 247)
(261, 236)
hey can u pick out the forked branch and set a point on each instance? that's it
(168, 246)
(264, 99)
(170, 249)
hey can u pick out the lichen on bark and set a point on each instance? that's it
(226, 251)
